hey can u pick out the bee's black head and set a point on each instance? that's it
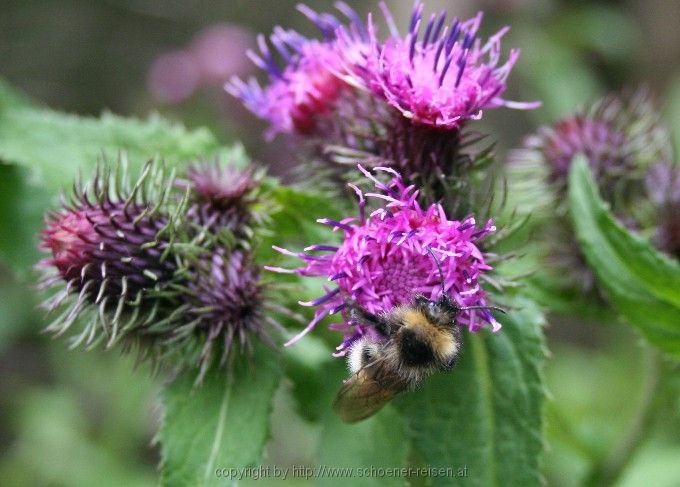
(446, 304)
(441, 312)
(444, 310)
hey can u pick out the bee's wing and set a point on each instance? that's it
(361, 397)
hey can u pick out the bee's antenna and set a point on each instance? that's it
(439, 268)
(495, 308)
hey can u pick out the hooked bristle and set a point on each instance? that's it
(111, 247)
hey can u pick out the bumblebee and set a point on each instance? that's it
(421, 338)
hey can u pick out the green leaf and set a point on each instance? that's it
(55, 146)
(485, 418)
(10, 97)
(643, 296)
(21, 212)
(657, 272)
(306, 364)
(358, 453)
(224, 423)
(294, 220)
(299, 206)
(348, 453)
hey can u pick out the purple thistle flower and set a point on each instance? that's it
(306, 88)
(441, 78)
(383, 259)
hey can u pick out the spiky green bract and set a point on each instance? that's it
(113, 246)
(444, 164)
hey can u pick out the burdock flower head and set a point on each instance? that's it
(111, 248)
(303, 90)
(438, 74)
(383, 259)
(168, 271)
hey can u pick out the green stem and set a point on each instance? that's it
(608, 472)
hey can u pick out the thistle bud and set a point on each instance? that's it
(132, 262)
(222, 197)
(662, 183)
(111, 247)
(620, 136)
(225, 308)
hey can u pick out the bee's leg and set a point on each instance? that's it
(383, 326)
(361, 315)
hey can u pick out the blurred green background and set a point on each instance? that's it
(88, 418)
